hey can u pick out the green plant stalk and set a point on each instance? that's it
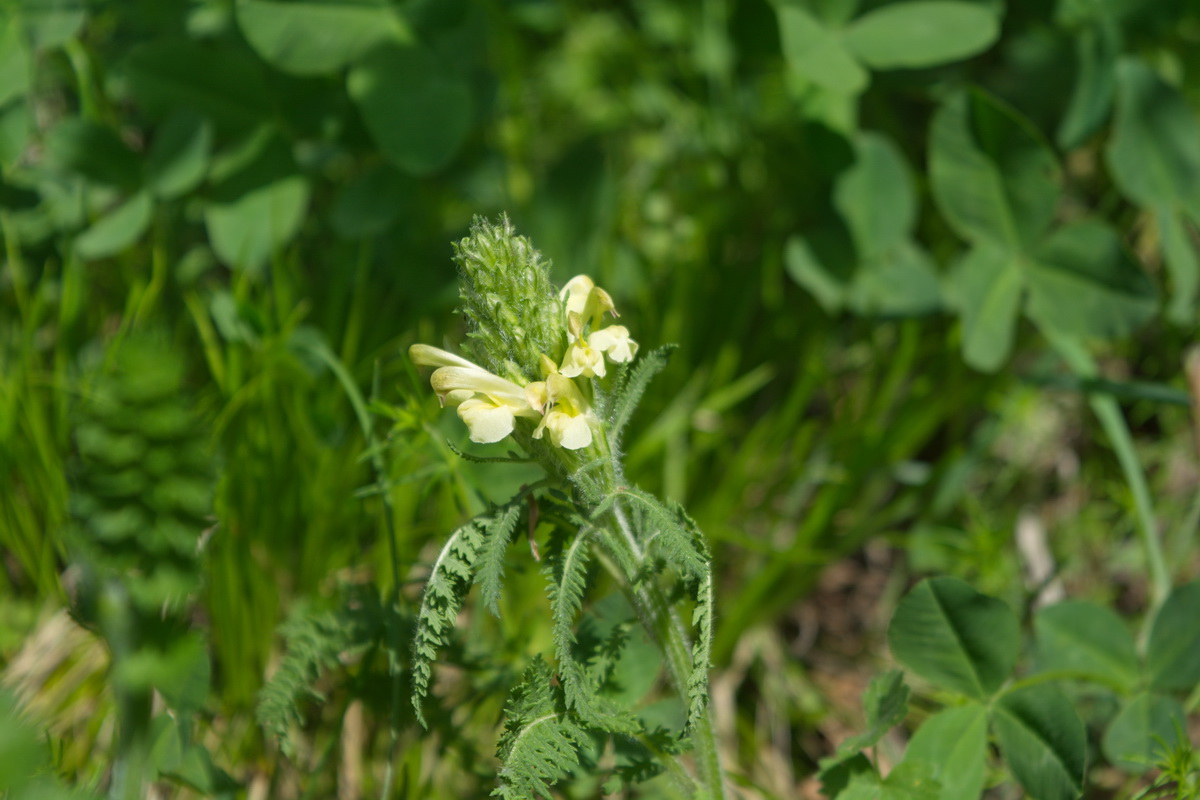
(665, 628)
(1109, 413)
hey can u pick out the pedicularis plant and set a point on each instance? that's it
(550, 371)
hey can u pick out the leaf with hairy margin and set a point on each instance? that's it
(631, 389)
(447, 587)
(541, 741)
(497, 533)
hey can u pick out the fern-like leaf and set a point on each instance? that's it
(702, 623)
(566, 577)
(673, 535)
(315, 643)
(633, 386)
(540, 741)
(497, 534)
(447, 587)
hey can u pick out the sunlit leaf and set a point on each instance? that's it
(1083, 282)
(1043, 741)
(921, 33)
(950, 634)
(116, 230)
(816, 53)
(986, 287)
(1141, 730)
(316, 37)
(876, 197)
(1173, 652)
(992, 176)
(954, 742)
(1088, 640)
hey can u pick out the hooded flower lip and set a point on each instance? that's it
(569, 418)
(487, 403)
(582, 296)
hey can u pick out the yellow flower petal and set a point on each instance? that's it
(575, 294)
(614, 341)
(567, 431)
(427, 356)
(486, 421)
(583, 360)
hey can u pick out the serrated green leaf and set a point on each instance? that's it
(317, 37)
(1082, 282)
(816, 53)
(952, 635)
(921, 33)
(1146, 725)
(954, 743)
(1173, 651)
(992, 176)
(985, 288)
(633, 386)
(497, 533)
(447, 587)
(1087, 639)
(540, 742)
(1043, 741)
(417, 111)
(117, 230)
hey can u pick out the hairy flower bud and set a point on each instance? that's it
(512, 310)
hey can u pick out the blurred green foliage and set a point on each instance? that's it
(863, 223)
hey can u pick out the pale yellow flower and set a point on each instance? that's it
(487, 403)
(614, 342)
(581, 358)
(582, 296)
(569, 418)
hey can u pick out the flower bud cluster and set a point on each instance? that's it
(490, 405)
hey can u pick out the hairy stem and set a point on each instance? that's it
(662, 623)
